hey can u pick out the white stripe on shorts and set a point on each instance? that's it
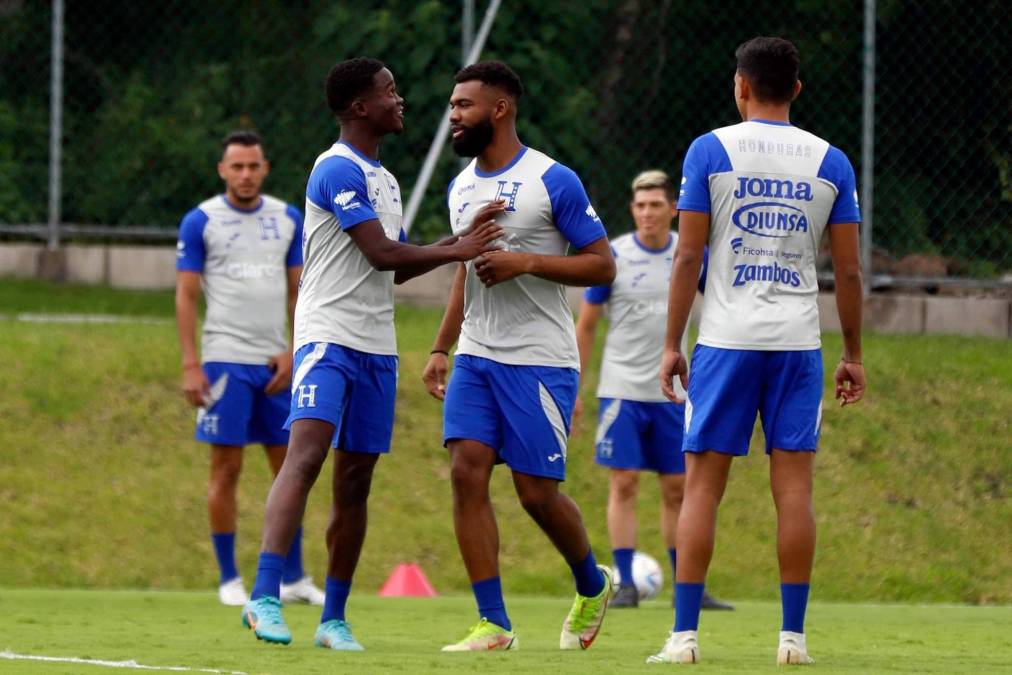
(554, 418)
(312, 358)
(608, 418)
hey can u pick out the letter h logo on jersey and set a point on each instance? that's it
(510, 197)
(268, 225)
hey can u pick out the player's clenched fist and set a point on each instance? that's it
(196, 388)
(673, 364)
(434, 375)
(850, 382)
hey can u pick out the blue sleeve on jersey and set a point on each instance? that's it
(837, 170)
(294, 257)
(190, 252)
(449, 189)
(338, 185)
(571, 208)
(597, 295)
(702, 270)
(706, 156)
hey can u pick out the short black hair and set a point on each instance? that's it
(244, 137)
(494, 74)
(348, 80)
(771, 66)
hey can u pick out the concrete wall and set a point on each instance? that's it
(153, 267)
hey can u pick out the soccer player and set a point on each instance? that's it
(760, 193)
(515, 377)
(638, 429)
(345, 348)
(244, 247)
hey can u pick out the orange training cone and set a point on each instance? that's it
(407, 580)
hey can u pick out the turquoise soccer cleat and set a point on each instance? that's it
(263, 616)
(336, 634)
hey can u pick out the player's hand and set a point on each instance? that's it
(281, 365)
(434, 375)
(850, 382)
(477, 239)
(574, 424)
(495, 267)
(196, 388)
(673, 364)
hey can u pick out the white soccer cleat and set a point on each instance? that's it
(793, 651)
(680, 647)
(302, 590)
(233, 593)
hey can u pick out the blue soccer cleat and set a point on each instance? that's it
(336, 634)
(263, 616)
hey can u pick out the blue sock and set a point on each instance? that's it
(488, 594)
(293, 561)
(688, 600)
(336, 591)
(623, 558)
(673, 557)
(794, 601)
(589, 580)
(268, 581)
(224, 551)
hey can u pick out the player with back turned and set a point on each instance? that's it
(345, 366)
(760, 194)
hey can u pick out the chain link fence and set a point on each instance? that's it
(614, 87)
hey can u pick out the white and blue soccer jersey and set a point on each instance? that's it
(243, 257)
(527, 320)
(637, 310)
(343, 299)
(770, 189)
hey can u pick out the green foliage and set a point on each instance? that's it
(614, 87)
(403, 635)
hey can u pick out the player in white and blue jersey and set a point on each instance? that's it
(759, 194)
(345, 368)
(638, 428)
(244, 248)
(515, 374)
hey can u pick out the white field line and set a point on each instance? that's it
(131, 664)
(31, 317)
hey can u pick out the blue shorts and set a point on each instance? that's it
(352, 390)
(521, 412)
(240, 412)
(727, 387)
(640, 435)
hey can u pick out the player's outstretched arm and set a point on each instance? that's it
(195, 384)
(482, 220)
(386, 255)
(434, 374)
(846, 252)
(693, 232)
(592, 265)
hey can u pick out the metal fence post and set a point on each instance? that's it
(868, 144)
(56, 128)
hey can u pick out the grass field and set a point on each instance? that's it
(102, 486)
(404, 636)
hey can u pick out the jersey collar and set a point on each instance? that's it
(516, 158)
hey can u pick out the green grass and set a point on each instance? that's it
(404, 635)
(102, 486)
(21, 295)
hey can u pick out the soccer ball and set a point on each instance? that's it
(647, 576)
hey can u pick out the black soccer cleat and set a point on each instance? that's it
(625, 596)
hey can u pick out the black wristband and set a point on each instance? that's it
(439, 351)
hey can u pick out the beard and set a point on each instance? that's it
(473, 140)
